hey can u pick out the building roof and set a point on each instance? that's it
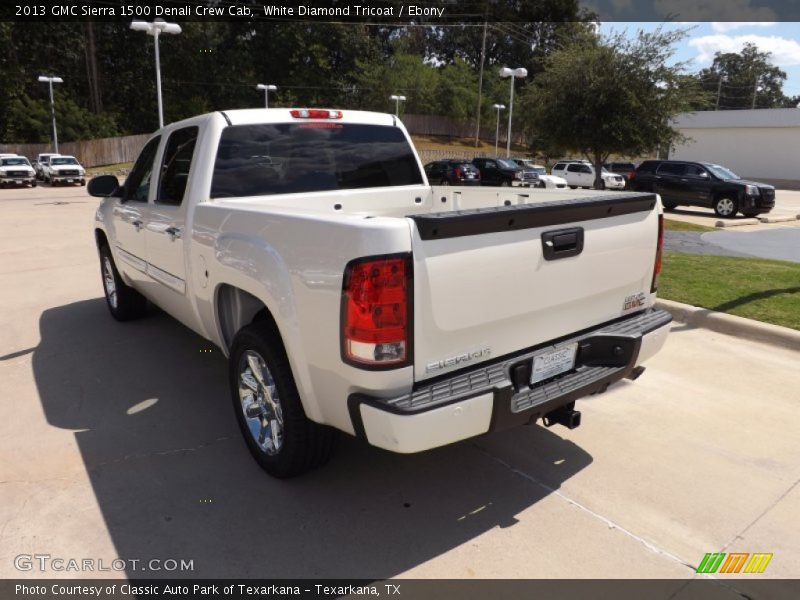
(760, 117)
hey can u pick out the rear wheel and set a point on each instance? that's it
(124, 302)
(283, 441)
(572, 187)
(726, 207)
(505, 183)
(669, 205)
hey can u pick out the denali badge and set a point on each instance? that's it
(634, 301)
(452, 361)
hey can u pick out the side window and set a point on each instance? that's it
(490, 164)
(175, 166)
(575, 168)
(695, 171)
(671, 169)
(137, 185)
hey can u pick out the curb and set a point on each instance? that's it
(738, 222)
(732, 325)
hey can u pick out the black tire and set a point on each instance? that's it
(505, 183)
(444, 182)
(33, 183)
(542, 185)
(602, 184)
(128, 303)
(305, 444)
(572, 187)
(726, 207)
(669, 205)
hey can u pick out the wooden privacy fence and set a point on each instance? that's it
(109, 151)
(90, 153)
(447, 126)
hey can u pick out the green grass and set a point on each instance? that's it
(672, 225)
(755, 288)
(108, 168)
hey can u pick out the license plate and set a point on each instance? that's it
(553, 362)
(69, 180)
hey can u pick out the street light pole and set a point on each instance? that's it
(50, 81)
(156, 28)
(498, 108)
(397, 101)
(267, 89)
(513, 74)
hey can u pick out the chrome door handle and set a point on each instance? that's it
(174, 233)
(138, 224)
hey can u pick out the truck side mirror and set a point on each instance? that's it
(103, 186)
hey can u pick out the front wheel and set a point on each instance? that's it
(124, 302)
(669, 205)
(283, 441)
(541, 184)
(726, 207)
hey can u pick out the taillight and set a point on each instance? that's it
(458, 171)
(315, 113)
(377, 312)
(631, 175)
(659, 253)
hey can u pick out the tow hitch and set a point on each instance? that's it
(565, 416)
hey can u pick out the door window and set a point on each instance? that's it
(575, 168)
(696, 171)
(137, 185)
(672, 169)
(175, 165)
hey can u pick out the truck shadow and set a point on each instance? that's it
(150, 408)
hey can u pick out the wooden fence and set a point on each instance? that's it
(90, 153)
(109, 151)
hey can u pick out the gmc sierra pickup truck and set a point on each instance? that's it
(349, 294)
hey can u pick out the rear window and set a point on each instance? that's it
(647, 166)
(286, 158)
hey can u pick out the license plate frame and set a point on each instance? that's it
(552, 362)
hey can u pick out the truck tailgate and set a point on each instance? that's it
(493, 281)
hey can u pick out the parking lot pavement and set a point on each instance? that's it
(118, 440)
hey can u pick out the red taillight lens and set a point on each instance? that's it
(659, 253)
(631, 175)
(315, 113)
(458, 171)
(376, 312)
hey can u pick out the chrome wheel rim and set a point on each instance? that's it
(260, 403)
(109, 283)
(725, 206)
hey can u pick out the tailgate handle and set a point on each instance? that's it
(562, 243)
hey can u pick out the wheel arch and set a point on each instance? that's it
(100, 238)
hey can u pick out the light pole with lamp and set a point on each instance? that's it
(155, 29)
(267, 89)
(513, 74)
(498, 108)
(51, 81)
(397, 101)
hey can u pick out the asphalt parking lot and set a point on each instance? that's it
(118, 440)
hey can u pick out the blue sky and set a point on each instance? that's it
(704, 39)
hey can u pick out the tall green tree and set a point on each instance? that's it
(609, 96)
(745, 79)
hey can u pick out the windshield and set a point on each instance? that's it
(286, 158)
(507, 164)
(722, 172)
(9, 162)
(538, 170)
(63, 161)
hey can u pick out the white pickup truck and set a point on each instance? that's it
(349, 294)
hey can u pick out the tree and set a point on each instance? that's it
(743, 79)
(601, 96)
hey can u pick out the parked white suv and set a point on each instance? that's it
(581, 174)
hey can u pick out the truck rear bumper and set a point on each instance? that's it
(497, 395)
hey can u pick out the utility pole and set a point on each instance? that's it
(755, 90)
(719, 91)
(480, 79)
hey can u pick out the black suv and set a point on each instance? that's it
(502, 171)
(452, 172)
(688, 183)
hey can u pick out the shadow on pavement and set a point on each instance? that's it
(152, 417)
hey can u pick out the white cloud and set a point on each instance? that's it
(785, 52)
(725, 26)
(707, 10)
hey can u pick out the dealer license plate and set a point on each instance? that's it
(553, 362)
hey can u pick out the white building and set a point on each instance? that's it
(761, 144)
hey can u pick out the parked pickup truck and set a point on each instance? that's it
(63, 170)
(349, 294)
(15, 171)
